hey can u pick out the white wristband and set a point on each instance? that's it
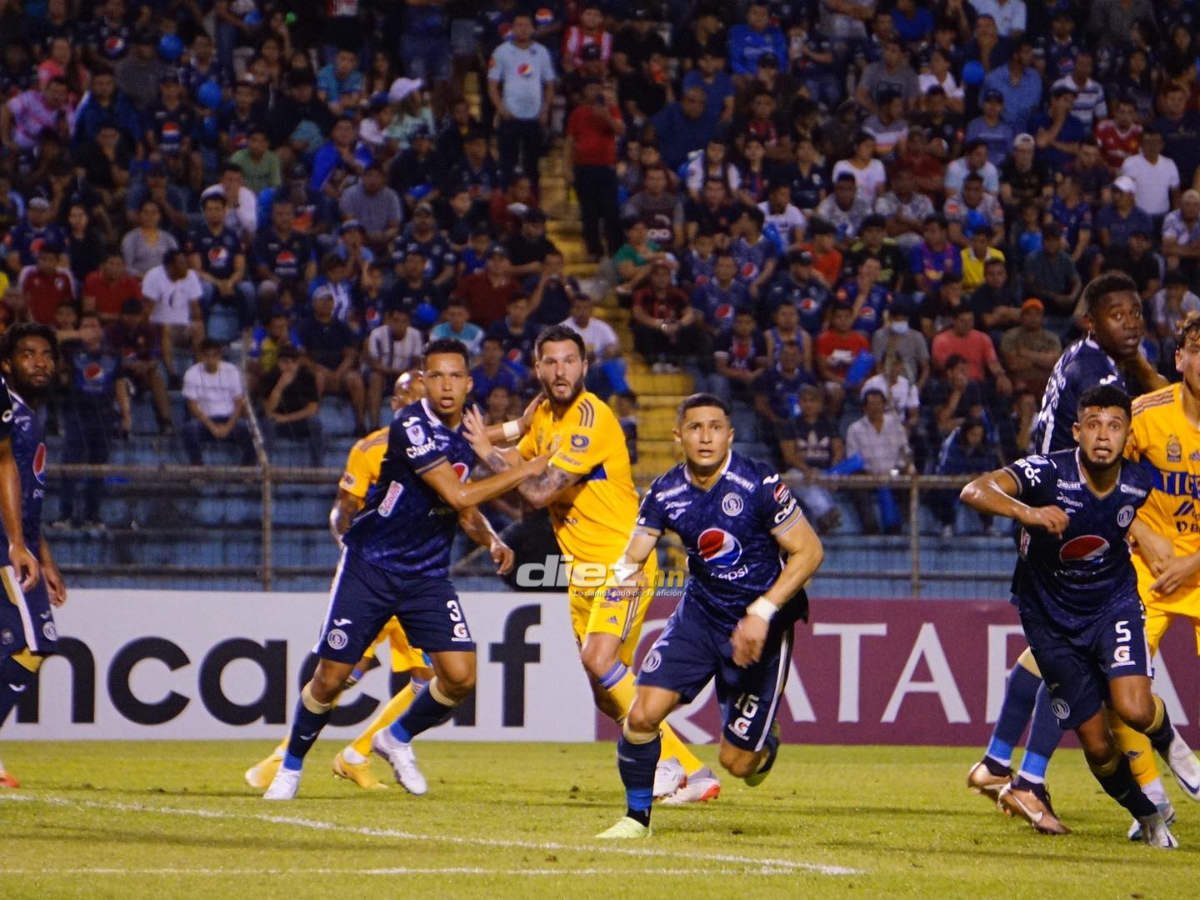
(622, 570)
(512, 430)
(763, 608)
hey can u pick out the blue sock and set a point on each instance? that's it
(1019, 699)
(424, 714)
(636, 763)
(305, 728)
(14, 678)
(1044, 735)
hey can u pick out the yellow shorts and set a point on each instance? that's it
(592, 613)
(1163, 609)
(405, 657)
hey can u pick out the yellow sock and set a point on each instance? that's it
(622, 693)
(390, 713)
(1136, 746)
(281, 749)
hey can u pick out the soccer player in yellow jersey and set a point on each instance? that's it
(588, 490)
(1166, 439)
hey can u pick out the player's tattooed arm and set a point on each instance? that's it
(479, 529)
(345, 508)
(542, 490)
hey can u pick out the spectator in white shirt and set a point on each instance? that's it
(392, 349)
(456, 327)
(606, 365)
(1009, 15)
(881, 442)
(778, 210)
(173, 291)
(241, 213)
(216, 404)
(1156, 178)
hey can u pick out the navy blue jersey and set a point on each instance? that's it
(29, 453)
(1081, 366)
(405, 526)
(1075, 578)
(728, 532)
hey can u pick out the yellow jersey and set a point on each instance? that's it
(594, 517)
(363, 464)
(1165, 443)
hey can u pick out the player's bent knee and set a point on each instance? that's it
(739, 763)
(597, 659)
(641, 721)
(1138, 715)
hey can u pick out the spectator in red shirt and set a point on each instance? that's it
(827, 258)
(837, 348)
(963, 339)
(488, 292)
(106, 289)
(45, 285)
(589, 163)
(664, 322)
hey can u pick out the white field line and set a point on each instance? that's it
(456, 870)
(747, 862)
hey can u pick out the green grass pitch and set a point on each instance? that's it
(165, 820)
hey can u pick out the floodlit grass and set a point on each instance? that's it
(163, 820)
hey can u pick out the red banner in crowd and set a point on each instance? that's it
(909, 672)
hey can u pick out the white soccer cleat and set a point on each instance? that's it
(1166, 810)
(1184, 766)
(626, 829)
(669, 776)
(284, 786)
(1156, 833)
(699, 788)
(403, 762)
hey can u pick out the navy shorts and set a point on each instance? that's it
(692, 649)
(364, 597)
(26, 619)
(1077, 665)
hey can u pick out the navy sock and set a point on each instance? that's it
(771, 745)
(14, 679)
(1123, 787)
(1019, 699)
(424, 713)
(1160, 739)
(636, 763)
(1044, 735)
(305, 728)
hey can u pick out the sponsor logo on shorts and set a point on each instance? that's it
(740, 726)
(1121, 656)
(337, 639)
(731, 504)
(6, 636)
(460, 632)
(652, 661)
(1060, 708)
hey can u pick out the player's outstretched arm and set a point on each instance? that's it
(23, 562)
(996, 494)
(443, 479)
(515, 429)
(480, 530)
(805, 555)
(539, 491)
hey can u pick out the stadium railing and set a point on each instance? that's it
(266, 527)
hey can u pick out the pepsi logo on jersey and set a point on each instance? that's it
(718, 547)
(1084, 547)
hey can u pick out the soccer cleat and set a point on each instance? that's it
(8, 781)
(698, 788)
(262, 773)
(359, 773)
(626, 829)
(772, 744)
(1032, 805)
(981, 780)
(403, 762)
(1184, 766)
(1156, 833)
(1166, 810)
(284, 786)
(669, 776)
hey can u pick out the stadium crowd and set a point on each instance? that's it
(868, 223)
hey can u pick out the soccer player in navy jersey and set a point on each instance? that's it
(1076, 590)
(28, 355)
(1107, 355)
(395, 561)
(737, 521)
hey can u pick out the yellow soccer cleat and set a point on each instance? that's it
(262, 773)
(359, 773)
(625, 829)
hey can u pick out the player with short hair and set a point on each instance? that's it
(1107, 355)
(735, 621)
(395, 561)
(28, 356)
(1163, 439)
(1076, 591)
(588, 490)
